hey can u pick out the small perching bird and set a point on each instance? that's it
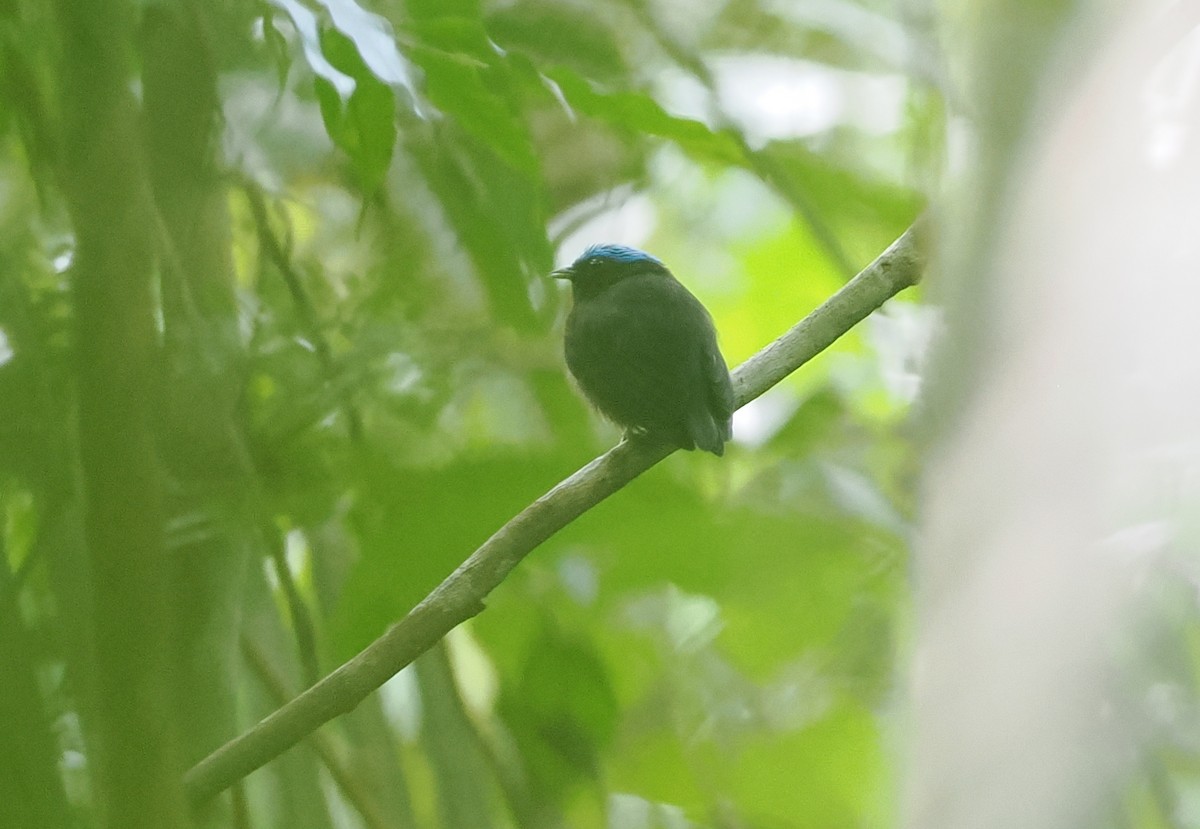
(644, 350)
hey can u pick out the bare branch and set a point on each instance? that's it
(461, 595)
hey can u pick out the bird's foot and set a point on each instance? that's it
(642, 437)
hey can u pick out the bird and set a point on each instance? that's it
(643, 349)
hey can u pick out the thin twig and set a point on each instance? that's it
(302, 626)
(461, 595)
(278, 255)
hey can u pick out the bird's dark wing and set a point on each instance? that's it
(720, 389)
(711, 402)
(709, 422)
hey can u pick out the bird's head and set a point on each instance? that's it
(604, 265)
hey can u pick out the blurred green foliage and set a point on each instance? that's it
(713, 646)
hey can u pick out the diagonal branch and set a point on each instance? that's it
(351, 787)
(461, 595)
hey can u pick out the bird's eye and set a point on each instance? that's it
(594, 261)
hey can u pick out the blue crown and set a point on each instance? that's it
(618, 253)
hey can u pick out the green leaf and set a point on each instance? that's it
(413, 527)
(310, 36)
(455, 34)
(372, 37)
(497, 213)
(640, 113)
(829, 774)
(463, 91)
(562, 712)
(364, 125)
(849, 199)
(277, 46)
(480, 160)
(466, 77)
(552, 33)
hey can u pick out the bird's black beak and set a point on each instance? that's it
(563, 273)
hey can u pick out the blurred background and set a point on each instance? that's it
(278, 351)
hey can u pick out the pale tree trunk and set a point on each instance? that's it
(1067, 469)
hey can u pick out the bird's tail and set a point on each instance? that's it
(706, 433)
